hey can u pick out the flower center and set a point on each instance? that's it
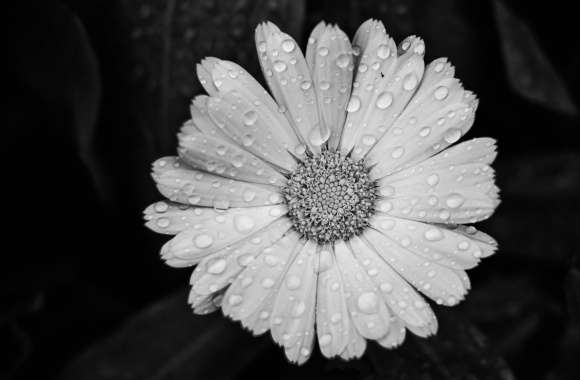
(330, 197)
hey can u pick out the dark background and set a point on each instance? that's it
(96, 90)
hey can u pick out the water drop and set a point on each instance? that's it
(217, 267)
(293, 282)
(248, 195)
(248, 140)
(452, 135)
(250, 118)
(243, 223)
(353, 104)
(383, 51)
(369, 140)
(235, 300)
(325, 340)
(368, 303)
(398, 152)
(305, 85)
(343, 60)
(161, 206)
(267, 283)
(384, 100)
(323, 51)
(433, 179)
(425, 131)
(279, 66)
(441, 92)
(317, 138)
(163, 222)
(454, 200)
(324, 85)
(203, 241)
(410, 82)
(433, 234)
(288, 46)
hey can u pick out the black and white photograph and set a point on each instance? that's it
(290, 189)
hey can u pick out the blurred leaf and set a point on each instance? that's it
(529, 71)
(539, 191)
(167, 342)
(55, 59)
(170, 37)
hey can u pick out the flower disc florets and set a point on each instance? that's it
(330, 197)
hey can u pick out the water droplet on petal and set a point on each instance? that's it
(387, 191)
(293, 282)
(305, 85)
(384, 100)
(248, 195)
(464, 245)
(217, 267)
(452, 135)
(267, 283)
(353, 104)
(250, 118)
(369, 140)
(161, 206)
(288, 46)
(235, 300)
(424, 132)
(325, 340)
(368, 303)
(383, 51)
(163, 222)
(441, 92)
(203, 241)
(410, 82)
(386, 287)
(316, 137)
(398, 152)
(323, 51)
(433, 234)
(454, 200)
(433, 179)
(279, 66)
(243, 223)
(343, 60)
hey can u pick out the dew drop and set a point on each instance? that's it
(203, 241)
(267, 283)
(316, 137)
(386, 287)
(454, 200)
(299, 309)
(433, 179)
(410, 82)
(324, 85)
(369, 140)
(368, 303)
(243, 223)
(353, 104)
(217, 267)
(384, 100)
(305, 85)
(248, 140)
(398, 152)
(235, 300)
(441, 92)
(387, 191)
(464, 245)
(250, 118)
(343, 60)
(323, 51)
(161, 206)
(163, 222)
(293, 282)
(248, 195)
(383, 51)
(288, 46)
(433, 234)
(452, 135)
(280, 66)
(325, 340)
(425, 131)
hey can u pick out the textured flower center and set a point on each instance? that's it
(330, 197)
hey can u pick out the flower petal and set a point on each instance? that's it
(329, 57)
(293, 314)
(440, 283)
(332, 318)
(367, 309)
(400, 297)
(438, 115)
(384, 85)
(264, 114)
(204, 69)
(201, 119)
(248, 126)
(251, 296)
(396, 334)
(203, 231)
(215, 155)
(205, 304)
(219, 269)
(356, 345)
(289, 78)
(454, 186)
(185, 185)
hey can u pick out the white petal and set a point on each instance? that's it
(289, 78)
(444, 285)
(201, 119)
(329, 57)
(215, 155)
(438, 115)
(204, 70)
(189, 127)
(486, 244)
(400, 297)
(219, 269)
(454, 186)
(356, 345)
(332, 318)
(294, 308)
(180, 183)
(230, 112)
(396, 334)
(367, 309)
(264, 115)
(203, 231)
(251, 296)
(435, 243)
(206, 304)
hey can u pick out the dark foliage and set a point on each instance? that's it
(97, 90)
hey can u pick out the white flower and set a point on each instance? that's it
(335, 203)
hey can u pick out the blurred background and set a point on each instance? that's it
(96, 90)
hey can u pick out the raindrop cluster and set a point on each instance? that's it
(330, 197)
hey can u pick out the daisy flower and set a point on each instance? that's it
(323, 211)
